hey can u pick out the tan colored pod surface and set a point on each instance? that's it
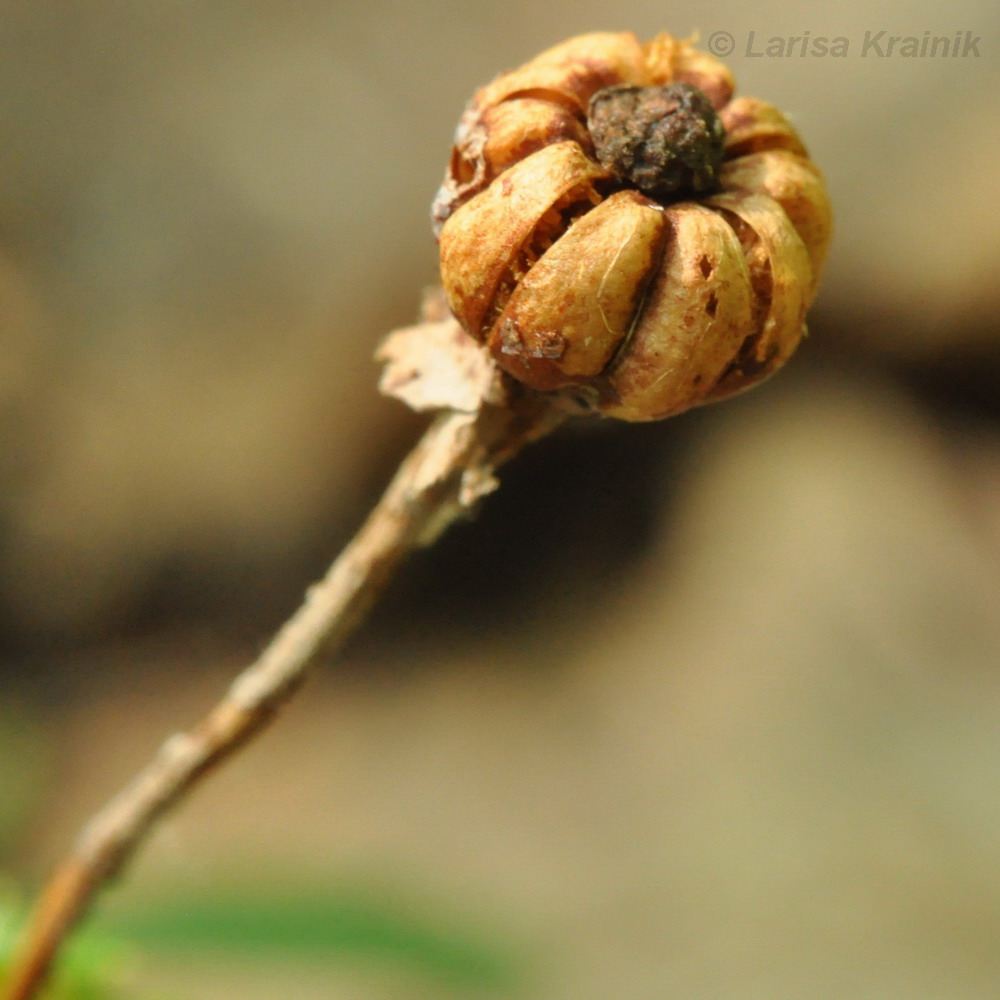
(673, 60)
(523, 125)
(753, 125)
(573, 71)
(796, 184)
(488, 143)
(780, 276)
(638, 305)
(697, 313)
(481, 242)
(570, 312)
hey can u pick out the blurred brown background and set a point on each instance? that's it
(706, 709)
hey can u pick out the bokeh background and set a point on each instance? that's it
(705, 710)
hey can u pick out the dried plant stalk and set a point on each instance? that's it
(486, 420)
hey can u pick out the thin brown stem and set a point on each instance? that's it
(442, 476)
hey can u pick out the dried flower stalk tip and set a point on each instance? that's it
(667, 140)
(619, 229)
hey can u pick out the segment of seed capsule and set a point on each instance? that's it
(488, 142)
(570, 73)
(569, 314)
(780, 277)
(490, 242)
(796, 184)
(670, 60)
(697, 313)
(753, 125)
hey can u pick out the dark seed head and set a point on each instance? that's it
(666, 140)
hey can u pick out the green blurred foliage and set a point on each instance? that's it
(88, 968)
(342, 925)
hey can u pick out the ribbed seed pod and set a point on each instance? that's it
(615, 226)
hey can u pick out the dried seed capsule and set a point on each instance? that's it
(657, 253)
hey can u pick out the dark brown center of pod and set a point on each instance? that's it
(666, 140)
